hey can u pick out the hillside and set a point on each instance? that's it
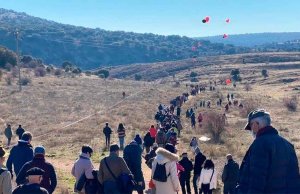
(255, 39)
(90, 48)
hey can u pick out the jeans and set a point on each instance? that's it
(196, 176)
(205, 189)
(110, 187)
(107, 141)
(121, 140)
(185, 181)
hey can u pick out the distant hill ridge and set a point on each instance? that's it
(90, 48)
(255, 39)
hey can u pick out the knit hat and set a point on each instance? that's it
(114, 148)
(39, 150)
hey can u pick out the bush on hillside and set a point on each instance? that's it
(193, 74)
(25, 81)
(102, 73)
(137, 77)
(214, 124)
(194, 79)
(264, 73)
(235, 75)
(291, 103)
(58, 72)
(9, 79)
(40, 72)
(7, 56)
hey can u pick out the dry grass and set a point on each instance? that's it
(50, 103)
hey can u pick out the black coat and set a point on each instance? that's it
(270, 165)
(230, 173)
(30, 189)
(199, 160)
(188, 167)
(148, 140)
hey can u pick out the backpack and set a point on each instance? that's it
(160, 173)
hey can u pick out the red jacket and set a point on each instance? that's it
(153, 132)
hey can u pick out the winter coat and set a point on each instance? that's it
(199, 160)
(30, 189)
(169, 159)
(138, 140)
(270, 165)
(8, 132)
(19, 155)
(49, 181)
(107, 131)
(5, 182)
(132, 155)
(153, 132)
(83, 165)
(230, 173)
(208, 176)
(117, 166)
(20, 132)
(161, 138)
(148, 140)
(188, 167)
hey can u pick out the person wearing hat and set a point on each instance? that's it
(117, 166)
(20, 154)
(8, 134)
(34, 176)
(107, 132)
(230, 175)
(83, 165)
(49, 181)
(270, 164)
(199, 161)
(166, 157)
(5, 176)
(185, 176)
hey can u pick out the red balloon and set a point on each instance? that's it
(225, 36)
(207, 18)
(227, 20)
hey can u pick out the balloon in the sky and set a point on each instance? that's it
(227, 20)
(228, 81)
(204, 21)
(207, 18)
(225, 36)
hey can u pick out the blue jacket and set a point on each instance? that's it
(270, 165)
(19, 155)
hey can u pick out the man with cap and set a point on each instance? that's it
(34, 176)
(49, 181)
(270, 164)
(107, 132)
(20, 154)
(83, 165)
(5, 176)
(199, 161)
(112, 164)
(230, 175)
(185, 176)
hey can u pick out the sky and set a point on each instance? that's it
(168, 17)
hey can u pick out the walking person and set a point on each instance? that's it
(270, 164)
(208, 178)
(107, 132)
(133, 157)
(20, 131)
(49, 181)
(185, 176)
(83, 165)
(20, 154)
(199, 161)
(164, 171)
(5, 176)
(121, 134)
(148, 142)
(34, 177)
(8, 134)
(230, 175)
(110, 167)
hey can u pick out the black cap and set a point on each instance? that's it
(35, 171)
(255, 114)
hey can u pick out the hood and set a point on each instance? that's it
(23, 143)
(164, 156)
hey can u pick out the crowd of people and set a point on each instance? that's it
(269, 166)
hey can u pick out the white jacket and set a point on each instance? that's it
(172, 185)
(205, 177)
